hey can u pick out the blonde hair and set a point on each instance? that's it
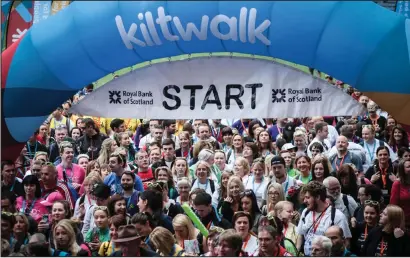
(278, 187)
(299, 132)
(74, 248)
(244, 162)
(184, 180)
(174, 172)
(237, 180)
(105, 151)
(206, 164)
(280, 206)
(395, 218)
(182, 220)
(162, 240)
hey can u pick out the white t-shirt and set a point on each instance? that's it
(251, 246)
(309, 229)
(258, 188)
(326, 146)
(341, 206)
(206, 186)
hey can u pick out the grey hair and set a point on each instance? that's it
(205, 154)
(327, 180)
(183, 180)
(323, 241)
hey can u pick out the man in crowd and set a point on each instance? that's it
(148, 138)
(344, 156)
(9, 181)
(169, 131)
(322, 132)
(143, 170)
(206, 212)
(321, 246)
(168, 151)
(335, 234)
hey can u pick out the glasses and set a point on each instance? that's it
(242, 213)
(371, 202)
(100, 208)
(247, 193)
(214, 229)
(158, 186)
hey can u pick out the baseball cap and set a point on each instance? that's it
(288, 146)
(277, 160)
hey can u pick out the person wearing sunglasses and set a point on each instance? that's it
(389, 238)
(249, 204)
(360, 230)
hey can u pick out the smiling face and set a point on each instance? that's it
(234, 189)
(68, 155)
(125, 140)
(183, 141)
(303, 165)
(239, 169)
(219, 160)
(75, 134)
(319, 170)
(201, 171)
(383, 156)
(398, 135)
(370, 215)
(384, 219)
(30, 190)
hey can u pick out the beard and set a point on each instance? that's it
(126, 187)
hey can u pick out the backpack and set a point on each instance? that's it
(332, 212)
(211, 182)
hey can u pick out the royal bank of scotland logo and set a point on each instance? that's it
(278, 96)
(115, 97)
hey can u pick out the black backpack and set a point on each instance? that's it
(211, 182)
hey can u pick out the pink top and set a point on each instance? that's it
(75, 175)
(36, 211)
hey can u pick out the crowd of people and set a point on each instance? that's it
(313, 186)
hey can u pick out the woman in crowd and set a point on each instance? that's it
(257, 181)
(184, 188)
(65, 240)
(108, 247)
(320, 168)
(93, 166)
(250, 205)
(348, 180)
(222, 193)
(164, 174)
(185, 150)
(20, 231)
(237, 144)
(31, 202)
(101, 233)
(180, 169)
(108, 146)
(303, 164)
(250, 152)
(203, 181)
(117, 206)
(365, 192)
(231, 203)
(275, 194)
(388, 239)
(300, 140)
(360, 230)
(144, 223)
(242, 222)
(400, 193)
(398, 139)
(220, 160)
(286, 155)
(402, 153)
(212, 241)
(185, 231)
(75, 133)
(285, 212)
(85, 201)
(164, 243)
(264, 143)
(381, 173)
(242, 169)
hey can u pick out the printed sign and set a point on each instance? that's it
(217, 88)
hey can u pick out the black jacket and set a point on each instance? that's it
(395, 246)
(91, 146)
(373, 170)
(216, 221)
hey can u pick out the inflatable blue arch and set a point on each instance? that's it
(359, 43)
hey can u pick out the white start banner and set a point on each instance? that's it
(217, 87)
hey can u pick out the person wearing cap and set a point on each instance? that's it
(129, 241)
(290, 148)
(101, 193)
(278, 167)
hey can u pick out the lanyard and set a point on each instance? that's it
(244, 128)
(23, 206)
(12, 186)
(279, 130)
(287, 185)
(371, 153)
(129, 199)
(253, 184)
(118, 187)
(246, 242)
(383, 246)
(365, 233)
(317, 223)
(341, 162)
(285, 229)
(69, 179)
(384, 174)
(29, 150)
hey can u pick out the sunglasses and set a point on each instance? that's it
(371, 202)
(158, 186)
(214, 229)
(246, 193)
(100, 208)
(367, 126)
